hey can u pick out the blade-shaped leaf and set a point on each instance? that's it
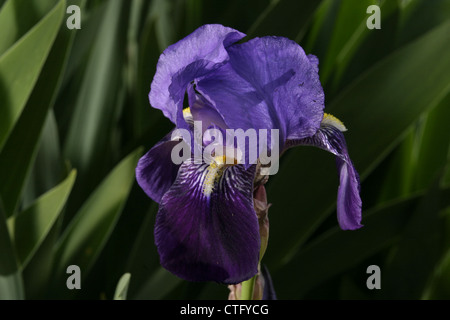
(19, 16)
(143, 261)
(446, 177)
(142, 115)
(420, 157)
(350, 25)
(122, 287)
(19, 70)
(387, 103)
(158, 285)
(439, 284)
(15, 163)
(377, 114)
(347, 41)
(92, 137)
(402, 163)
(434, 144)
(48, 168)
(94, 114)
(10, 277)
(91, 227)
(418, 251)
(11, 287)
(419, 16)
(337, 250)
(284, 18)
(32, 225)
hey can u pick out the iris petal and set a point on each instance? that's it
(330, 138)
(181, 63)
(203, 111)
(155, 171)
(268, 83)
(209, 234)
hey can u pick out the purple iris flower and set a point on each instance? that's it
(207, 228)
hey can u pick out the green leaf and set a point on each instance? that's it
(91, 142)
(10, 277)
(349, 27)
(439, 284)
(146, 124)
(446, 176)
(421, 156)
(41, 263)
(90, 126)
(18, 17)
(143, 261)
(160, 13)
(16, 163)
(83, 42)
(418, 250)
(32, 225)
(142, 116)
(11, 287)
(48, 168)
(348, 39)
(399, 175)
(122, 287)
(86, 235)
(440, 287)
(349, 290)
(387, 104)
(19, 70)
(284, 18)
(193, 13)
(318, 35)
(377, 114)
(419, 16)
(434, 145)
(336, 251)
(158, 285)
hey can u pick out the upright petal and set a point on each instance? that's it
(181, 63)
(206, 228)
(330, 138)
(268, 83)
(155, 171)
(203, 111)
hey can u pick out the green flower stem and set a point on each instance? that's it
(248, 288)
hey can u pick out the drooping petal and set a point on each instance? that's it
(330, 138)
(268, 83)
(349, 200)
(206, 228)
(155, 171)
(190, 58)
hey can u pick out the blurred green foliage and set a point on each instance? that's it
(75, 118)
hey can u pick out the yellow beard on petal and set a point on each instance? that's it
(187, 115)
(214, 172)
(331, 120)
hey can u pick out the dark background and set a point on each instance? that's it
(75, 118)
